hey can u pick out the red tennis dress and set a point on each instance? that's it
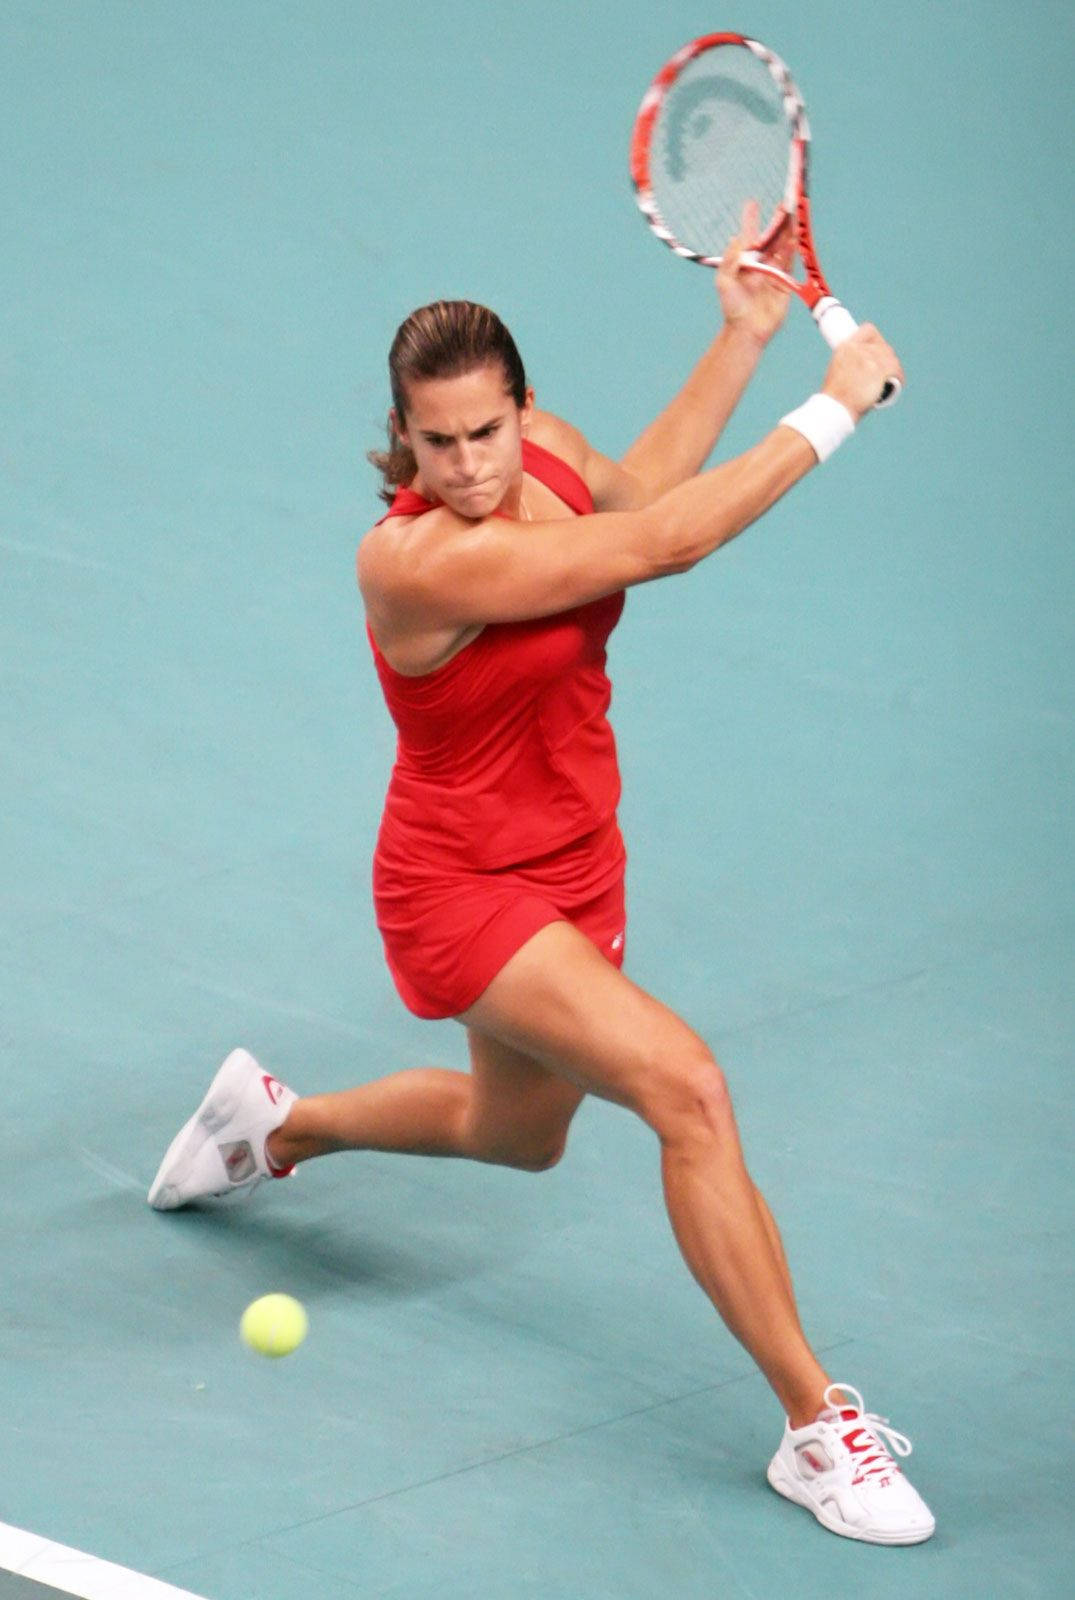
(500, 815)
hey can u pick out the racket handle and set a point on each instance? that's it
(836, 324)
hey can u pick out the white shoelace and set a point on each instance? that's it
(879, 1462)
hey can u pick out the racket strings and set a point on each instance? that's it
(721, 137)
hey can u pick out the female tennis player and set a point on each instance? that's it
(491, 588)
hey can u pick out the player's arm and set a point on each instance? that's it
(442, 571)
(677, 443)
(680, 439)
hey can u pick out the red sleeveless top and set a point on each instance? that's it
(505, 752)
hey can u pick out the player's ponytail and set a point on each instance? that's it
(396, 465)
(442, 340)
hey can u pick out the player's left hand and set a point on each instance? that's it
(751, 302)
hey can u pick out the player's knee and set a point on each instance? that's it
(528, 1150)
(541, 1157)
(690, 1099)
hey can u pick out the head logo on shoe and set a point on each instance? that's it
(238, 1160)
(273, 1088)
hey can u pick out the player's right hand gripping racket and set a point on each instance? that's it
(723, 123)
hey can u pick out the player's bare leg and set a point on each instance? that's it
(561, 1002)
(508, 1109)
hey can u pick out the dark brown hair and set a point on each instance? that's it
(443, 340)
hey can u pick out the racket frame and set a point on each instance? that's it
(834, 321)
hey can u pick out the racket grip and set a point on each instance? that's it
(836, 324)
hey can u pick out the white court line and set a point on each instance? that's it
(72, 1572)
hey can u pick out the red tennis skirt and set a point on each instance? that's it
(447, 934)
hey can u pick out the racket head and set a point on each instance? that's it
(721, 123)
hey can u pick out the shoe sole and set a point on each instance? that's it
(217, 1107)
(781, 1480)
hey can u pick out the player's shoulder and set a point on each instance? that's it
(390, 552)
(561, 438)
(610, 486)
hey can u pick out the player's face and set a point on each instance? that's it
(466, 434)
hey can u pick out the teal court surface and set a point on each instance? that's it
(848, 778)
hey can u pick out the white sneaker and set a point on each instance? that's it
(222, 1147)
(838, 1468)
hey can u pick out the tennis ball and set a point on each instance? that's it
(274, 1325)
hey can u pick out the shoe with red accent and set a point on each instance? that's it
(840, 1469)
(222, 1147)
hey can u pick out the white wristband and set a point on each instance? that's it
(823, 422)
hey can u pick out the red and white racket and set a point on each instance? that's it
(723, 123)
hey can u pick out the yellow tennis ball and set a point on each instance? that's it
(274, 1325)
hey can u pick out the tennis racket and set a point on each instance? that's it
(723, 123)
